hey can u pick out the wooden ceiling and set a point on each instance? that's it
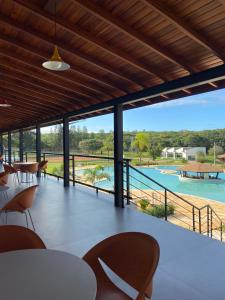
(114, 47)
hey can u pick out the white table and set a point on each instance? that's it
(45, 275)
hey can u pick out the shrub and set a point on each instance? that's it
(201, 157)
(159, 210)
(144, 203)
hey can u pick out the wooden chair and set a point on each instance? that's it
(29, 170)
(4, 176)
(21, 203)
(14, 237)
(133, 256)
(12, 170)
(42, 166)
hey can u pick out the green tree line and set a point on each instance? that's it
(134, 141)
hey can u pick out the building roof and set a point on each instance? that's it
(115, 48)
(201, 168)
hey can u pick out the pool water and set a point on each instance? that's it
(210, 190)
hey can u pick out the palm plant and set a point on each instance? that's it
(96, 174)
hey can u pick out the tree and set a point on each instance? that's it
(108, 144)
(91, 145)
(218, 150)
(96, 174)
(154, 148)
(140, 142)
(200, 157)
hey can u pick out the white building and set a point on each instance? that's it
(188, 153)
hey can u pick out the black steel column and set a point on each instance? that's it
(66, 152)
(118, 155)
(21, 144)
(38, 146)
(9, 148)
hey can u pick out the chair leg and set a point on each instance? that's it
(17, 177)
(1, 214)
(26, 219)
(31, 219)
(6, 217)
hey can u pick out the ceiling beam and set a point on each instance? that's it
(28, 100)
(51, 97)
(84, 89)
(30, 77)
(29, 68)
(19, 107)
(75, 53)
(193, 80)
(91, 38)
(184, 26)
(147, 42)
(43, 99)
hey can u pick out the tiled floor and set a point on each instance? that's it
(191, 267)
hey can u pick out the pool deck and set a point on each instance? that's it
(74, 219)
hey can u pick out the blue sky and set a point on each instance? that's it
(199, 112)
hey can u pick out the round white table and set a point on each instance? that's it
(45, 275)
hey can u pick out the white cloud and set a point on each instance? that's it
(181, 102)
(206, 99)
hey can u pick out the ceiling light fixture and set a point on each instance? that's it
(56, 63)
(4, 103)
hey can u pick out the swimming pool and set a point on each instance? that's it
(210, 190)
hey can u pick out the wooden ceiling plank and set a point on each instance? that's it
(11, 55)
(88, 37)
(9, 69)
(43, 98)
(185, 27)
(76, 53)
(133, 33)
(35, 103)
(91, 90)
(19, 107)
(37, 89)
(222, 2)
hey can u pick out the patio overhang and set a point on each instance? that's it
(154, 52)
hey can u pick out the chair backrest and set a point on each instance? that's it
(22, 201)
(31, 168)
(43, 165)
(4, 176)
(14, 237)
(133, 256)
(9, 169)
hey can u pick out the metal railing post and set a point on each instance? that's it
(128, 181)
(208, 220)
(221, 231)
(44, 160)
(193, 218)
(73, 169)
(165, 205)
(26, 155)
(211, 221)
(200, 221)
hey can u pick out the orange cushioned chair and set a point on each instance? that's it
(42, 166)
(12, 170)
(4, 176)
(29, 170)
(14, 237)
(21, 203)
(133, 256)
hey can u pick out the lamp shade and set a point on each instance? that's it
(56, 63)
(4, 103)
